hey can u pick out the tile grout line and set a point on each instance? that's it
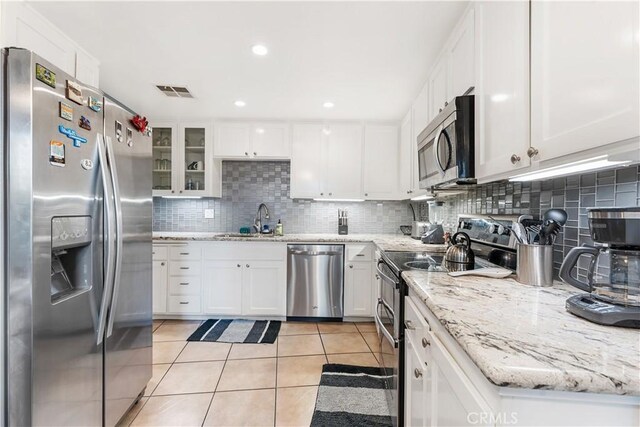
(275, 399)
(215, 389)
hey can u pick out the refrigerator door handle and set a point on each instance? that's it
(119, 233)
(109, 238)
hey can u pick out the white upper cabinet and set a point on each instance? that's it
(439, 93)
(232, 140)
(343, 175)
(584, 75)
(502, 88)
(307, 161)
(252, 140)
(462, 53)
(381, 162)
(271, 140)
(420, 112)
(21, 26)
(406, 156)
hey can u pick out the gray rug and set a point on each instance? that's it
(237, 331)
(351, 396)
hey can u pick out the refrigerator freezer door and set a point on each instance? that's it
(128, 356)
(54, 249)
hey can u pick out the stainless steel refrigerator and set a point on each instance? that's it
(76, 246)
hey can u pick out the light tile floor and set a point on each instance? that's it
(219, 384)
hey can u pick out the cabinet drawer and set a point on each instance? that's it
(184, 268)
(160, 253)
(416, 326)
(359, 252)
(254, 251)
(184, 304)
(186, 252)
(184, 285)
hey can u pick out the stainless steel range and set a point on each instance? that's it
(494, 246)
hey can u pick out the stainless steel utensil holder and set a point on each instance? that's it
(535, 265)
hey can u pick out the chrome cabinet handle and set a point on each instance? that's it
(184, 302)
(184, 283)
(532, 152)
(184, 268)
(417, 373)
(409, 325)
(184, 253)
(425, 343)
(360, 255)
(515, 158)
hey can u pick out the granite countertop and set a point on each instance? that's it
(386, 242)
(522, 336)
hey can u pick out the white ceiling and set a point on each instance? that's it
(369, 58)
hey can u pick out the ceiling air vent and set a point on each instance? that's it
(175, 91)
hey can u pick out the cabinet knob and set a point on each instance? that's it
(350, 265)
(366, 194)
(173, 191)
(515, 158)
(255, 154)
(247, 265)
(246, 154)
(425, 343)
(440, 110)
(181, 191)
(239, 266)
(446, 103)
(162, 263)
(331, 194)
(322, 194)
(532, 152)
(417, 373)
(409, 325)
(377, 277)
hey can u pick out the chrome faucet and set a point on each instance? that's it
(257, 224)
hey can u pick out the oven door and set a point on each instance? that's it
(388, 327)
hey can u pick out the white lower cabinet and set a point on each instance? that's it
(418, 387)
(222, 287)
(263, 293)
(359, 284)
(159, 278)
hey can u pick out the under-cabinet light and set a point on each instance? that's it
(181, 197)
(593, 163)
(339, 200)
(423, 197)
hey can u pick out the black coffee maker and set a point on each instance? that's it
(613, 272)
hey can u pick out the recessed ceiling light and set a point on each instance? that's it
(259, 50)
(259, 130)
(240, 103)
(326, 131)
(328, 104)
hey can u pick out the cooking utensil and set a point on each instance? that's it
(496, 273)
(557, 215)
(519, 231)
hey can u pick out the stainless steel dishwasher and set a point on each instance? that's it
(315, 281)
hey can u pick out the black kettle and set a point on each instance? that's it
(459, 255)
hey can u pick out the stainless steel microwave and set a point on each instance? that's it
(446, 146)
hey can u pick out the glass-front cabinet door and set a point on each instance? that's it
(196, 163)
(164, 160)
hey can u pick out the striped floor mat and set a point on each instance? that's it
(237, 331)
(351, 396)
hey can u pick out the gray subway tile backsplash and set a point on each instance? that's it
(247, 184)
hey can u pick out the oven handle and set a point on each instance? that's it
(396, 282)
(387, 307)
(382, 329)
